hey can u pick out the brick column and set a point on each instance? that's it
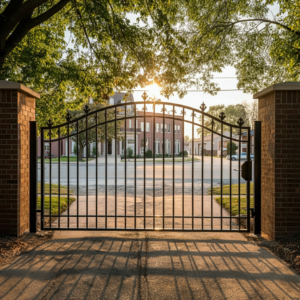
(279, 111)
(17, 108)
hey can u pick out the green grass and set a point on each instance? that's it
(234, 189)
(235, 204)
(54, 204)
(54, 189)
(65, 159)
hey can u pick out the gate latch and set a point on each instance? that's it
(246, 173)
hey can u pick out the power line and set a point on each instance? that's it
(233, 90)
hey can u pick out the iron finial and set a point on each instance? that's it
(86, 109)
(222, 116)
(49, 123)
(240, 122)
(203, 106)
(68, 116)
(145, 96)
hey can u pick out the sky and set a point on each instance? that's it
(194, 99)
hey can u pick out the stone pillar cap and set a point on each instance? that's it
(10, 85)
(284, 86)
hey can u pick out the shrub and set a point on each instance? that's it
(129, 153)
(148, 153)
(234, 147)
(185, 153)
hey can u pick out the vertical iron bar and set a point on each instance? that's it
(182, 136)
(164, 120)
(33, 175)
(173, 166)
(135, 119)
(106, 148)
(202, 172)
(154, 215)
(59, 177)
(257, 176)
(211, 174)
(116, 169)
(222, 175)
(125, 178)
(249, 178)
(230, 176)
(77, 165)
(193, 157)
(96, 119)
(50, 174)
(239, 176)
(144, 165)
(87, 171)
(42, 178)
(68, 174)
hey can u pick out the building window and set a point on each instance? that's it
(169, 127)
(178, 129)
(147, 127)
(175, 128)
(177, 146)
(157, 127)
(157, 146)
(129, 123)
(142, 126)
(137, 123)
(162, 128)
(142, 146)
(46, 147)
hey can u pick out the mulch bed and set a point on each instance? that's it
(287, 249)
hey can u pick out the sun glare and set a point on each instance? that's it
(154, 90)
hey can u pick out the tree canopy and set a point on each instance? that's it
(73, 49)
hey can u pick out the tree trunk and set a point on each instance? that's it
(80, 151)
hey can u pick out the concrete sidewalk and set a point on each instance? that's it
(148, 265)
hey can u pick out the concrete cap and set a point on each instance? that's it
(10, 85)
(284, 86)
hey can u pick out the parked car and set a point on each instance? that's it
(47, 155)
(73, 155)
(243, 156)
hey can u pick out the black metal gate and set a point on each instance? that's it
(146, 166)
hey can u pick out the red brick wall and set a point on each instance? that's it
(280, 116)
(16, 110)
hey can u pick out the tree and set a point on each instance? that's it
(233, 147)
(251, 110)
(232, 115)
(84, 139)
(129, 152)
(186, 138)
(75, 149)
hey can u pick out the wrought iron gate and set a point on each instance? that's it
(146, 166)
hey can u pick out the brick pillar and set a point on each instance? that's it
(279, 111)
(17, 108)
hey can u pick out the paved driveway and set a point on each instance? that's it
(154, 265)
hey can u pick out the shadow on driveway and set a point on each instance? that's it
(148, 265)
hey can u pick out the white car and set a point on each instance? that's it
(243, 156)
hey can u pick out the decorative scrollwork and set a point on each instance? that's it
(86, 109)
(163, 109)
(183, 112)
(203, 106)
(145, 96)
(49, 123)
(222, 116)
(240, 122)
(68, 117)
(193, 114)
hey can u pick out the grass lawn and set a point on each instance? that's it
(54, 189)
(54, 204)
(234, 189)
(235, 204)
(65, 159)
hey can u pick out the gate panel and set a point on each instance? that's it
(145, 166)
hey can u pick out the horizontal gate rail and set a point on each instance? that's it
(101, 202)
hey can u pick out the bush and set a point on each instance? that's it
(234, 147)
(129, 153)
(185, 153)
(95, 151)
(148, 153)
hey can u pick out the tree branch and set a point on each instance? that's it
(263, 21)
